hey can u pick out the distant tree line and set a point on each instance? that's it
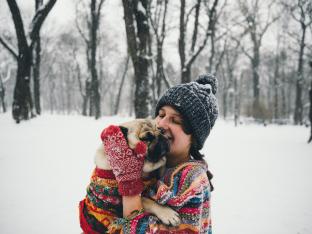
(84, 71)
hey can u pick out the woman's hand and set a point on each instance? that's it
(125, 162)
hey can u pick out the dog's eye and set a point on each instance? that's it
(148, 137)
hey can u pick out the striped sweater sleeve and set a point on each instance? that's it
(184, 189)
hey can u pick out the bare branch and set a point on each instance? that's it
(163, 30)
(221, 56)
(38, 20)
(152, 22)
(268, 24)
(209, 30)
(78, 27)
(221, 10)
(220, 36)
(6, 45)
(98, 15)
(189, 13)
(242, 48)
(195, 31)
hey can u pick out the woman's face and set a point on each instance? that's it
(171, 121)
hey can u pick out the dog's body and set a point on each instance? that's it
(145, 130)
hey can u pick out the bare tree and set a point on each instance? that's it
(22, 103)
(256, 29)
(92, 94)
(2, 95)
(231, 55)
(186, 62)
(3, 80)
(214, 61)
(135, 12)
(301, 13)
(36, 65)
(158, 23)
(310, 111)
(276, 78)
(121, 85)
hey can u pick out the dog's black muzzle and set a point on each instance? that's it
(160, 149)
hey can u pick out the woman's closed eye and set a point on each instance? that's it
(176, 120)
(161, 116)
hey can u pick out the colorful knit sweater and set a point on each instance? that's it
(185, 188)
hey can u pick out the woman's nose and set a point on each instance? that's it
(163, 123)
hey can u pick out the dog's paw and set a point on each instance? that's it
(150, 166)
(168, 216)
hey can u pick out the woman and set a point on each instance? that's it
(186, 113)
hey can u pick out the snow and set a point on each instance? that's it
(261, 175)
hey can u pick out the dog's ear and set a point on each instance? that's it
(124, 132)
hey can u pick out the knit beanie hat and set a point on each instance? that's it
(197, 104)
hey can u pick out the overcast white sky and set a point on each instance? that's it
(62, 12)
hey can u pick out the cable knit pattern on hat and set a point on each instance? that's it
(197, 103)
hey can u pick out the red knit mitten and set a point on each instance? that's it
(127, 164)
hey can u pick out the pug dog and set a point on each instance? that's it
(158, 145)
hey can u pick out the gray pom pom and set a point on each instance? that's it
(208, 79)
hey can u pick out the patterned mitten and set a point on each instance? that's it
(127, 164)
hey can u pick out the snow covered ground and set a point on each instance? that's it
(262, 175)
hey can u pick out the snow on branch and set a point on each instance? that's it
(38, 20)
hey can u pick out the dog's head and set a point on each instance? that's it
(146, 130)
(158, 145)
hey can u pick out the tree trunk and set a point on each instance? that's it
(36, 67)
(86, 98)
(137, 46)
(36, 77)
(51, 88)
(275, 88)
(225, 95)
(310, 111)
(256, 83)
(2, 95)
(284, 111)
(299, 82)
(95, 94)
(141, 88)
(158, 22)
(236, 102)
(22, 101)
(184, 77)
(160, 69)
(186, 64)
(121, 85)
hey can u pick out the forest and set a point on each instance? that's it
(118, 57)
(71, 68)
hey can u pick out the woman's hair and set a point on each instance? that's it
(194, 152)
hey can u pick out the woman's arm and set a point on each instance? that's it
(187, 193)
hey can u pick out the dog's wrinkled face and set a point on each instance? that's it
(146, 130)
(158, 145)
